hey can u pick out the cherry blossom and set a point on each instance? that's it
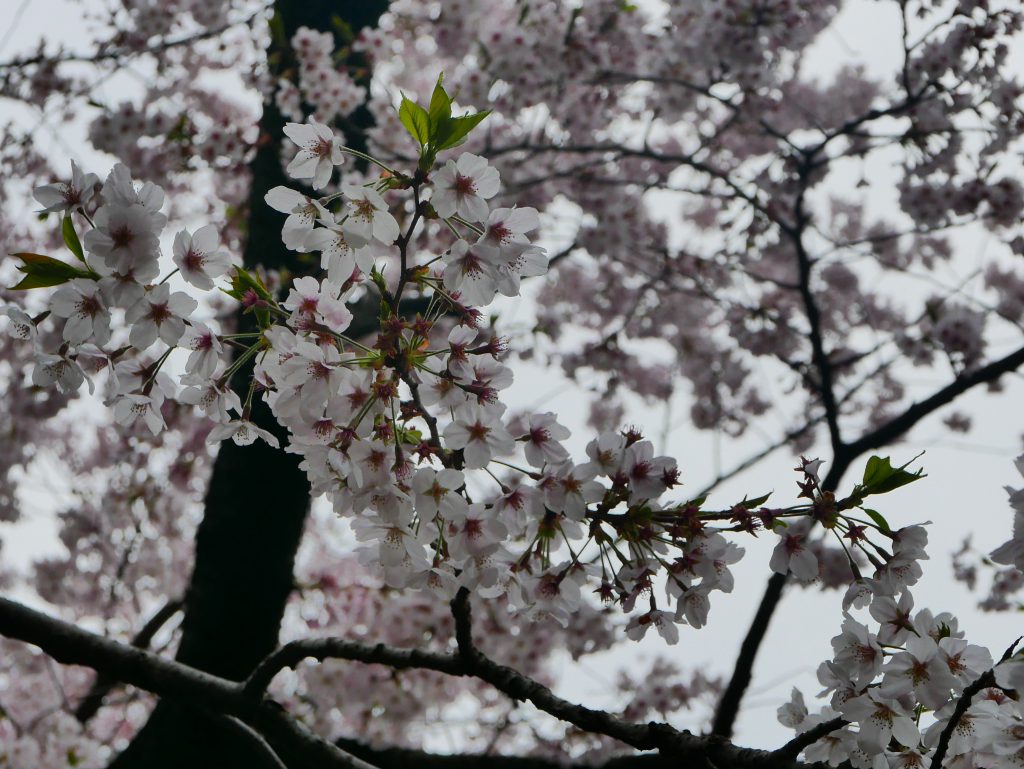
(197, 257)
(64, 196)
(463, 186)
(320, 151)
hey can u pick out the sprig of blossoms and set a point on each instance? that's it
(406, 434)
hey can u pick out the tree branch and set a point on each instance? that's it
(804, 740)
(728, 707)
(103, 685)
(116, 54)
(470, 662)
(729, 704)
(71, 645)
(897, 426)
(403, 758)
(983, 681)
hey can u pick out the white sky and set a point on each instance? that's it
(962, 495)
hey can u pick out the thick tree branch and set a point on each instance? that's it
(320, 649)
(819, 356)
(897, 426)
(103, 685)
(804, 740)
(470, 662)
(71, 645)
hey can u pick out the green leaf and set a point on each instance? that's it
(440, 106)
(881, 477)
(67, 229)
(697, 501)
(455, 130)
(750, 504)
(879, 520)
(43, 271)
(416, 121)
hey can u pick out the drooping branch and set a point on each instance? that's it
(468, 661)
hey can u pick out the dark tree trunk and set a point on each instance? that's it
(258, 498)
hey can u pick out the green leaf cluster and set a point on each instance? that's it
(434, 128)
(880, 477)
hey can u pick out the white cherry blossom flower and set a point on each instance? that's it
(20, 324)
(857, 651)
(472, 270)
(920, 670)
(1011, 552)
(313, 301)
(475, 532)
(573, 487)
(964, 660)
(216, 401)
(206, 350)
(893, 617)
(59, 370)
(463, 186)
(119, 190)
(436, 492)
(197, 257)
(793, 713)
(81, 302)
(662, 621)
(319, 151)
(242, 432)
(478, 431)
(368, 217)
(64, 196)
(542, 440)
(159, 314)
(880, 718)
(124, 239)
(303, 211)
(791, 553)
(337, 255)
(132, 407)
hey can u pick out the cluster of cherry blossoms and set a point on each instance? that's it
(405, 434)
(899, 679)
